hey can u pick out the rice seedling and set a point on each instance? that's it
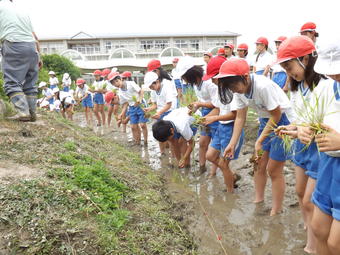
(198, 120)
(149, 114)
(104, 86)
(189, 98)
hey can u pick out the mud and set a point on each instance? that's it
(224, 223)
(10, 172)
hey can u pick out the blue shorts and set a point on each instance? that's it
(222, 138)
(66, 89)
(178, 83)
(136, 115)
(326, 194)
(53, 86)
(185, 88)
(306, 158)
(273, 144)
(280, 79)
(211, 128)
(260, 72)
(98, 98)
(51, 100)
(87, 102)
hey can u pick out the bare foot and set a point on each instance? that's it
(273, 213)
(211, 175)
(258, 201)
(309, 251)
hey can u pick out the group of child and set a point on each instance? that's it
(296, 95)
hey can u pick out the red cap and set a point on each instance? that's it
(126, 74)
(242, 46)
(175, 60)
(208, 54)
(262, 40)
(294, 47)
(229, 45)
(97, 72)
(153, 65)
(281, 39)
(233, 67)
(106, 72)
(221, 51)
(309, 26)
(109, 96)
(80, 81)
(113, 75)
(213, 67)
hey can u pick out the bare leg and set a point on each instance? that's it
(101, 109)
(300, 187)
(334, 238)
(275, 171)
(96, 113)
(260, 178)
(308, 207)
(109, 116)
(136, 133)
(321, 226)
(145, 132)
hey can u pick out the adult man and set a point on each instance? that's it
(20, 60)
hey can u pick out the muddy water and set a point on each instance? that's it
(224, 223)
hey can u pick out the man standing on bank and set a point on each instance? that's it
(20, 60)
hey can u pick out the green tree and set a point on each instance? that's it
(59, 65)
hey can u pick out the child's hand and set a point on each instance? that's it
(258, 150)
(156, 116)
(147, 109)
(194, 107)
(181, 163)
(229, 151)
(305, 134)
(209, 119)
(328, 141)
(289, 130)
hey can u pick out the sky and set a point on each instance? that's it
(251, 18)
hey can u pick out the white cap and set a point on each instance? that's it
(55, 90)
(66, 76)
(183, 65)
(42, 84)
(149, 78)
(51, 72)
(69, 100)
(328, 61)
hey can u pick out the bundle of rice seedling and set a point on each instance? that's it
(188, 98)
(104, 86)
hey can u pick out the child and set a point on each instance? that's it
(177, 129)
(221, 52)
(272, 106)
(206, 91)
(263, 59)
(48, 95)
(229, 51)
(309, 29)
(163, 99)
(326, 216)
(66, 104)
(297, 56)
(224, 115)
(131, 93)
(99, 88)
(109, 89)
(176, 79)
(279, 74)
(66, 82)
(84, 96)
(242, 51)
(53, 80)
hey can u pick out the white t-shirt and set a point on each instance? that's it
(67, 82)
(328, 95)
(297, 99)
(265, 96)
(56, 105)
(47, 92)
(164, 96)
(171, 84)
(127, 94)
(277, 68)
(182, 121)
(98, 85)
(263, 61)
(206, 92)
(54, 81)
(81, 92)
(225, 108)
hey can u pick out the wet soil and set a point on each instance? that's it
(224, 223)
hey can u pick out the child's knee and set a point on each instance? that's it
(333, 246)
(320, 231)
(300, 191)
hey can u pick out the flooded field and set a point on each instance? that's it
(224, 223)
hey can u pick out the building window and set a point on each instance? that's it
(161, 44)
(147, 44)
(108, 46)
(218, 42)
(171, 52)
(88, 49)
(182, 44)
(122, 53)
(195, 44)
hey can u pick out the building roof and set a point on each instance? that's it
(83, 35)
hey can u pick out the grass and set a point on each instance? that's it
(96, 197)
